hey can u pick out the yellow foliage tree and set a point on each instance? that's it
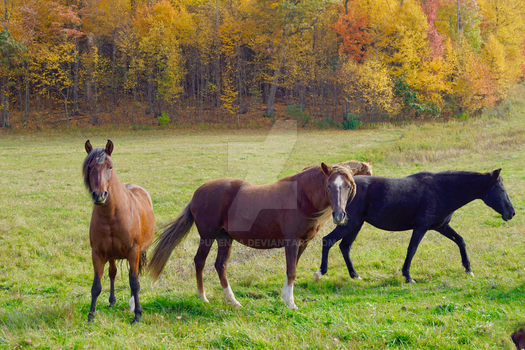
(369, 81)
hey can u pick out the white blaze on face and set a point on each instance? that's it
(338, 183)
(287, 295)
(228, 294)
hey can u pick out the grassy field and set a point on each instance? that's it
(45, 260)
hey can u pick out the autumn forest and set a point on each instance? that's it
(153, 62)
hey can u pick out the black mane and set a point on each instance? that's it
(446, 172)
(98, 154)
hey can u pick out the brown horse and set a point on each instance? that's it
(355, 166)
(122, 225)
(287, 213)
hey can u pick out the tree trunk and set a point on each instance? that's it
(459, 27)
(75, 82)
(67, 114)
(275, 80)
(149, 95)
(26, 117)
(3, 116)
(20, 101)
(38, 111)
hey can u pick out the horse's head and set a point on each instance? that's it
(366, 169)
(518, 338)
(497, 198)
(340, 188)
(97, 171)
(357, 168)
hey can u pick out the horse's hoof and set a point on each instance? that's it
(135, 321)
(91, 317)
(203, 297)
(410, 280)
(317, 275)
(356, 277)
(236, 305)
(292, 306)
(470, 273)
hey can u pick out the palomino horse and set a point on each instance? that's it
(421, 202)
(287, 213)
(122, 225)
(356, 167)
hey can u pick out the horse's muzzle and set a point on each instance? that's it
(99, 198)
(339, 217)
(508, 216)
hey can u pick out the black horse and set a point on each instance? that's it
(423, 201)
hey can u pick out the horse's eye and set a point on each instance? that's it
(110, 167)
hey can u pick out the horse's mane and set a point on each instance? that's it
(446, 172)
(98, 154)
(338, 168)
(354, 166)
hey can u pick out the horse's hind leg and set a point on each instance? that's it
(112, 274)
(345, 246)
(200, 261)
(449, 232)
(328, 241)
(224, 242)
(96, 288)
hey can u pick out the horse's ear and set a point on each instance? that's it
(327, 169)
(88, 146)
(495, 174)
(109, 148)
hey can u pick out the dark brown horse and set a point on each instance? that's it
(287, 213)
(122, 225)
(518, 338)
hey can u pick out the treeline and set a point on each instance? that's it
(192, 61)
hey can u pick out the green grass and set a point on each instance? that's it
(46, 271)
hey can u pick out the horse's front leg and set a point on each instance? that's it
(417, 236)
(328, 241)
(291, 248)
(345, 246)
(134, 303)
(112, 274)
(96, 288)
(449, 232)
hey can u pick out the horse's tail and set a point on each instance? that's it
(143, 262)
(173, 234)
